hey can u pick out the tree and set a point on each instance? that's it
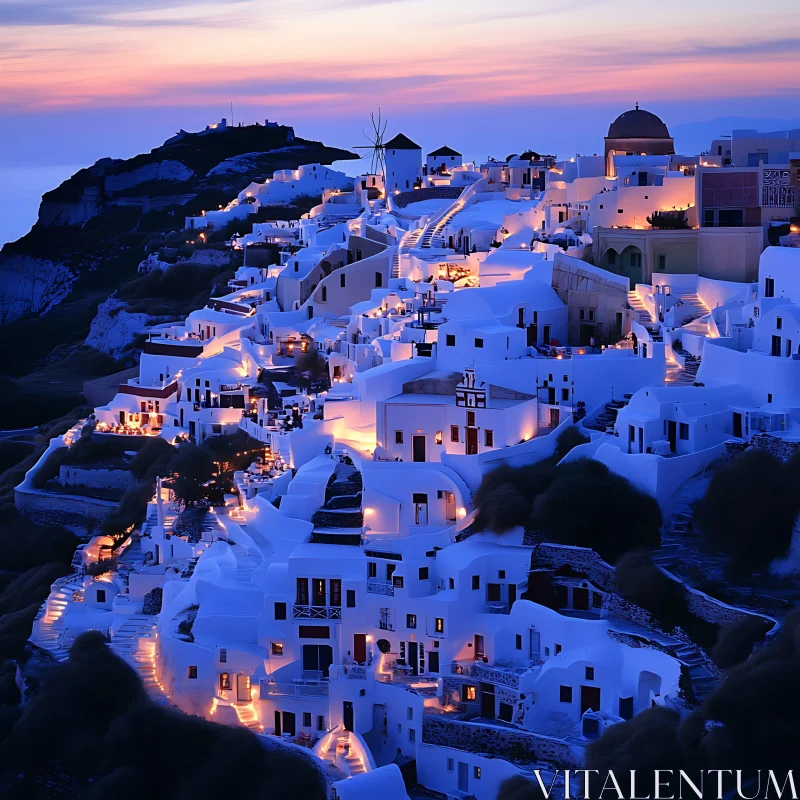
(587, 505)
(748, 511)
(193, 466)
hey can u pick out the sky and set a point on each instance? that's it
(83, 79)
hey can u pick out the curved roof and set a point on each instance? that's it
(637, 124)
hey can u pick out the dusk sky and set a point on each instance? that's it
(81, 79)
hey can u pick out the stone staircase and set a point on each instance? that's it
(606, 420)
(685, 375)
(704, 681)
(642, 314)
(47, 630)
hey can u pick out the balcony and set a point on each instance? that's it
(310, 691)
(498, 674)
(316, 612)
(374, 586)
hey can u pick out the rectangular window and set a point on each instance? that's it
(684, 430)
(223, 655)
(558, 649)
(582, 314)
(409, 712)
(412, 735)
(662, 262)
(351, 598)
(193, 673)
(469, 692)
(398, 437)
(501, 574)
(336, 592)
(224, 681)
(372, 569)
(342, 281)
(450, 340)
(454, 433)
(769, 287)
(451, 765)
(452, 583)
(276, 648)
(320, 723)
(439, 625)
(591, 315)
(779, 323)
(476, 771)
(101, 595)
(565, 395)
(280, 610)
(488, 438)
(565, 694)
(397, 581)
(411, 621)
(589, 673)
(314, 632)
(519, 641)
(423, 573)
(306, 719)
(636, 259)
(478, 342)
(476, 581)
(302, 591)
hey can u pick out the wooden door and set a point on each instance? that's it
(347, 715)
(554, 417)
(417, 448)
(590, 698)
(413, 657)
(242, 688)
(360, 648)
(472, 441)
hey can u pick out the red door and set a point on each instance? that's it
(360, 648)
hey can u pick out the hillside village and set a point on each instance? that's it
(391, 495)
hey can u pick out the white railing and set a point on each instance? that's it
(374, 586)
(316, 612)
(298, 690)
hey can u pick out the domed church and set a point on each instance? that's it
(637, 132)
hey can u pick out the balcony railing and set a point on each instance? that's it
(316, 612)
(380, 587)
(298, 690)
(502, 676)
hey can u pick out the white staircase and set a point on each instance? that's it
(693, 307)
(432, 234)
(247, 717)
(642, 314)
(342, 755)
(134, 642)
(48, 626)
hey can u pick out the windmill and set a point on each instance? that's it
(376, 147)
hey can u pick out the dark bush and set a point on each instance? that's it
(121, 745)
(518, 787)
(567, 439)
(384, 645)
(748, 511)
(737, 639)
(638, 580)
(154, 457)
(518, 486)
(587, 505)
(102, 566)
(25, 543)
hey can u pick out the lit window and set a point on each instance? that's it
(411, 620)
(476, 771)
(224, 680)
(277, 649)
(470, 692)
(439, 625)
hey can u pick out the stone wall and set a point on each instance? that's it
(519, 746)
(73, 511)
(580, 559)
(780, 448)
(97, 478)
